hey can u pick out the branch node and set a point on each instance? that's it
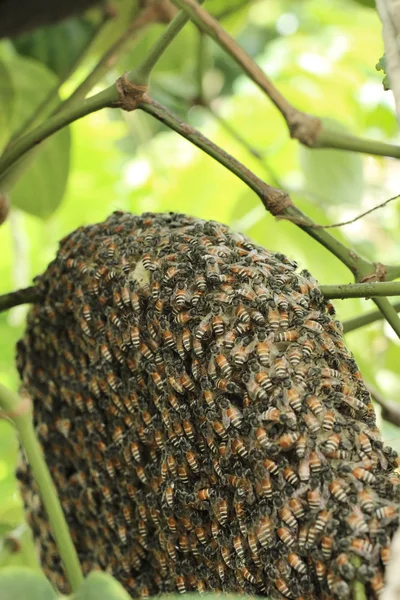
(129, 93)
(277, 201)
(303, 127)
(378, 275)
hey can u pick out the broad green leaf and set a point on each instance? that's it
(41, 187)
(22, 583)
(333, 176)
(57, 46)
(7, 98)
(101, 586)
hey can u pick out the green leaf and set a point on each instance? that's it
(22, 583)
(40, 189)
(7, 99)
(333, 176)
(57, 46)
(99, 586)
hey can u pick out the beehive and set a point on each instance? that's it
(205, 424)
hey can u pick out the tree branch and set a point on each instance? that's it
(306, 128)
(109, 58)
(107, 98)
(362, 290)
(390, 409)
(366, 319)
(52, 97)
(274, 200)
(142, 73)
(24, 296)
(388, 311)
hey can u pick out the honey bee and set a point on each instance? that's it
(294, 399)
(294, 356)
(311, 422)
(264, 531)
(329, 420)
(308, 347)
(282, 587)
(302, 536)
(332, 443)
(363, 475)
(290, 476)
(223, 365)
(337, 490)
(320, 571)
(315, 405)
(288, 517)
(296, 563)
(287, 440)
(314, 499)
(387, 512)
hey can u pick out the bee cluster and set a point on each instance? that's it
(205, 425)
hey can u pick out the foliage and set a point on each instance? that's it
(320, 54)
(381, 66)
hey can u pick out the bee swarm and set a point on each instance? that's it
(204, 423)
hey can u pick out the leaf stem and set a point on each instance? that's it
(19, 410)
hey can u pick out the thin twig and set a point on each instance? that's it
(24, 296)
(390, 409)
(366, 319)
(367, 212)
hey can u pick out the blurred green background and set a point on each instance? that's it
(320, 53)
